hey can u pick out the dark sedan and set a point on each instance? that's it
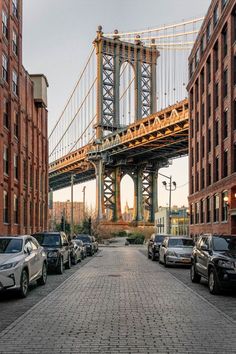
(87, 241)
(214, 258)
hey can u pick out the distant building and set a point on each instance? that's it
(179, 221)
(128, 214)
(212, 136)
(24, 136)
(64, 208)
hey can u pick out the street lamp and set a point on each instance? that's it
(83, 190)
(72, 207)
(171, 186)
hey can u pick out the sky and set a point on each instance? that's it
(57, 39)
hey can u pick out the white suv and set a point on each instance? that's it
(22, 261)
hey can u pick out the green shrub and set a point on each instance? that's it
(136, 239)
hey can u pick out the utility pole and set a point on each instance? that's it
(168, 187)
(72, 207)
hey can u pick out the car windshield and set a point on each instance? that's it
(78, 242)
(10, 245)
(83, 238)
(159, 238)
(48, 240)
(180, 242)
(224, 244)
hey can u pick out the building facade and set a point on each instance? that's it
(64, 209)
(212, 138)
(178, 220)
(23, 129)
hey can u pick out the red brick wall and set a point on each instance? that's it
(31, 144)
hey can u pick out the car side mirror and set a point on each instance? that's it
(27, 250)
(204, 248)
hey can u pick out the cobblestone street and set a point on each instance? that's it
(120, 302)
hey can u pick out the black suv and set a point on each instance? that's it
(154, 246)
(214, 258)
(87, 241)
(58, 249)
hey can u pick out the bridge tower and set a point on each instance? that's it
(112, 53)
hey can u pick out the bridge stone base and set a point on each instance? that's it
(106, 229)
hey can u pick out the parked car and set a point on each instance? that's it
(87, 241)
(58, 249)
(95, 243)
(154, 246)
(77, 251)
(214, 258)
(82, 246)
(176, 250)
(22, 261)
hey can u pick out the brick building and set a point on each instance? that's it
(23, 129)
(64, 208)
(212, 138)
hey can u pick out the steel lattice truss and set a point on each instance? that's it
(108, 91)
(147, 190)
(109, 190)
(146, 89)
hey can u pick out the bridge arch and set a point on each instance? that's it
(127, 197)
(127, 93)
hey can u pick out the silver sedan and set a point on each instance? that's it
(176, 250)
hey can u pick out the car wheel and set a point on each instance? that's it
(195, 277)
(24, 284)
(60, 267)
(165, 263)
(213, 282)
(43, 279)
(68, 264)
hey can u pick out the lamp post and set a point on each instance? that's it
(171, 186)
(72, 207)
(84, 188)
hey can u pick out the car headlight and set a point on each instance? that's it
(226, 264)
(52, 254)
(8, 265)
(171, 253)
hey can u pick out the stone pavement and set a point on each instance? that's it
(120, 302)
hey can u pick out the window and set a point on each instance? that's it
(15, 7)
(209, 174)
(197, 91)
(209, 70)
(191, 214)
(224, 39)
(209, 140)
(5, 160)
(215, 16)
(15, 209)
(217, 133)
(208, 210)
(225, 121)
(202, 212)
(25, 171)
(202, 47)
(190, 69)
(14, 43)
(25, 212)
(197, 56)
(15, 82)
(16, 125)
(225, 161)
(223, 2)
(203, 146)
(5, 113)
(203, 114)
(15, 166)
(209, 105)
(216, 207)
(197, 121)
(216, 56)
(192, 155)
(197, 182)
(197, 152)
(216, 95)
(225, 83)
(197, 207)
(5, 207)
(202, 79)
(224, 211)
(217, 168)
(203, 178)
(4, 67)
(4, 24)
(208, 32)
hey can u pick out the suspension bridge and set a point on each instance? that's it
(127, 114)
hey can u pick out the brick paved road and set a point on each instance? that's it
(120, 302)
